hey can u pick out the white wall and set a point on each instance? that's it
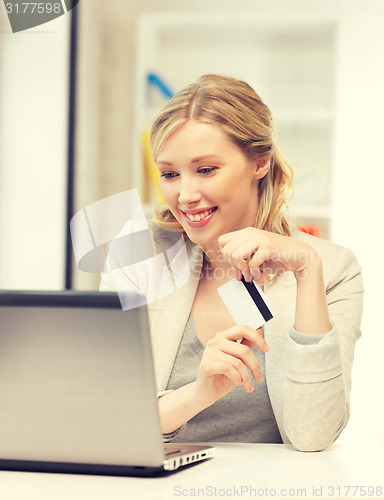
(358, 192)
(33, 154)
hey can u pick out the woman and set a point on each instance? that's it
(226, 187)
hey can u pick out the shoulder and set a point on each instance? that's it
(324, 247)
(338, 262)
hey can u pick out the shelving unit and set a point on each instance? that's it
(289, 61)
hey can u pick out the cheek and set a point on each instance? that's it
(169, 193)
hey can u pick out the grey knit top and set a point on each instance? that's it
(238, 416)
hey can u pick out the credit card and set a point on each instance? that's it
(246, 302)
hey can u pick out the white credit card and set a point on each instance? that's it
(246, 302)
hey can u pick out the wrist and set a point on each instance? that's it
(312, 267)
(200, 398)
(177, 407)
(312, 314)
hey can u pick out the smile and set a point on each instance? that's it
(199, 219)
(201, 215)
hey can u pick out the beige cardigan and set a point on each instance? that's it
(309, 385)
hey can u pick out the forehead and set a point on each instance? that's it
(197, 138)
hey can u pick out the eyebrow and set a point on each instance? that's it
(207, 157)
(198, 159)
(166, 163)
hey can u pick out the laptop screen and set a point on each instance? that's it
(76, 380)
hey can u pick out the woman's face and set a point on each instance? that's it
(207, 182)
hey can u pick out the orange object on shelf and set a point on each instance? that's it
(312, 229)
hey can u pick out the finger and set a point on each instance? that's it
(238, 273)
(239, 265)
(273, 267)
(238, 253)
(246, 272)
(224, 239)
(250, 343)
(221, 367)
(241, 269)
(244, 354)
(242, 235)
(221, 363)
(259, 276)
(240, 332)
(257, 261)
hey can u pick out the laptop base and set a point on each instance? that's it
(79, 468)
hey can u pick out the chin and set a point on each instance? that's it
(202, 241)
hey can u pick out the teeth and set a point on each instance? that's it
(200, 216)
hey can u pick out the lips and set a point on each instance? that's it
(199, 218)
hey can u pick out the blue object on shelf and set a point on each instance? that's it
(155, 80)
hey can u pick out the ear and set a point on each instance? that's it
(262, 166)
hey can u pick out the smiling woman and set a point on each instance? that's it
(226, 188)
(197, 182)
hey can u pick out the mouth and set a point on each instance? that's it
(199, 219)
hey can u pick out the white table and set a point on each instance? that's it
(237, 471)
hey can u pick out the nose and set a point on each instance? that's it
(189, 192)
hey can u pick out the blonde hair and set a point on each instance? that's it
(238, 110)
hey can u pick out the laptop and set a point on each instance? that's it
(77, 388)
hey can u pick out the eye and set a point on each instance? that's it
(206, 170)
(169, 175)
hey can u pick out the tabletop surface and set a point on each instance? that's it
(237, 471)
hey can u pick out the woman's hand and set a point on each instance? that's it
(225, 361)
(254, 252)
(223, 367)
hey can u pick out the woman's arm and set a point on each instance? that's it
(318, 376)
(311, 315)
(318, 367)
(178, 406)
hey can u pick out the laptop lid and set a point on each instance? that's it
(77, 385)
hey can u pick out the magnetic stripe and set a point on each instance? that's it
(257, 299)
